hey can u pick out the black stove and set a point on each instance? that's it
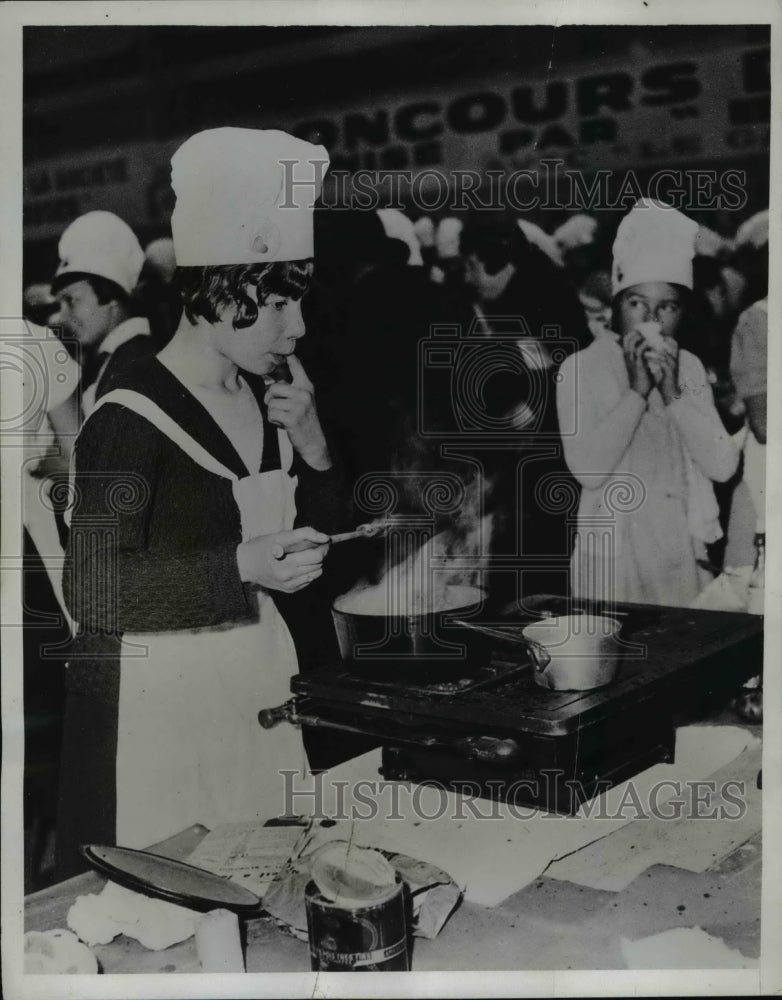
(488, 729)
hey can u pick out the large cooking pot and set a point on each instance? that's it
(574, 652)
(369, 636)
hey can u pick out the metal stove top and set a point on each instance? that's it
(668, 649)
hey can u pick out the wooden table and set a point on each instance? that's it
(551, 924)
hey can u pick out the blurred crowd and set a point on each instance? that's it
(383, 282)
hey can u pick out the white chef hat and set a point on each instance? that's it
(397, 226)
(447, 237)
(424, 229)
(100, 243)
(654, 242)
(577, 231)
(711, 244)
(244, 196)
(161, 258)
(540, 238)
(753, 232)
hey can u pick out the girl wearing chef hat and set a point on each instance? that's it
(640, 429)
(189, 475)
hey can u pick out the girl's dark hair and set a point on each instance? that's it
(206, 291)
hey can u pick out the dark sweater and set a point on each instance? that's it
(153, 534)
(138, 348)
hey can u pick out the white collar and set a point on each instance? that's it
(127, 330)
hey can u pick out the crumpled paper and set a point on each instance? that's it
(154, 923)
(434, 894)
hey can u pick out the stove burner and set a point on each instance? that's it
(436, 679)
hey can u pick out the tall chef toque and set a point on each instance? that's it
(244, 196)
(654, 242)
(100, 243)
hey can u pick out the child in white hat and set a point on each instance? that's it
(203, 461)
(99, 268)
(640, 430)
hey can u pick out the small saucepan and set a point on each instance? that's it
(574, 652)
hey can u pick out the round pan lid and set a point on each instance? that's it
(173, 881)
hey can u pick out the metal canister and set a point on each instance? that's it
(359, 936)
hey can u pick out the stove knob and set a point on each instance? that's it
(270, 717)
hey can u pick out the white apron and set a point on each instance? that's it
(190, 748)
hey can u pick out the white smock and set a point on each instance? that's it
(190, 747)
(647, 508)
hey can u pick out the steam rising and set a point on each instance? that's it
(432, 566)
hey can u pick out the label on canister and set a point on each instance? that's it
(365, 936)
(355, 959)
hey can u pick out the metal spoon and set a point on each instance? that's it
(362, 531)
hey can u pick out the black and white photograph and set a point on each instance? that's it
(385, 499)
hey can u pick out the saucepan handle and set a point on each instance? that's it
(540, 655)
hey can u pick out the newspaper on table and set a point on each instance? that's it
(247, 853)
